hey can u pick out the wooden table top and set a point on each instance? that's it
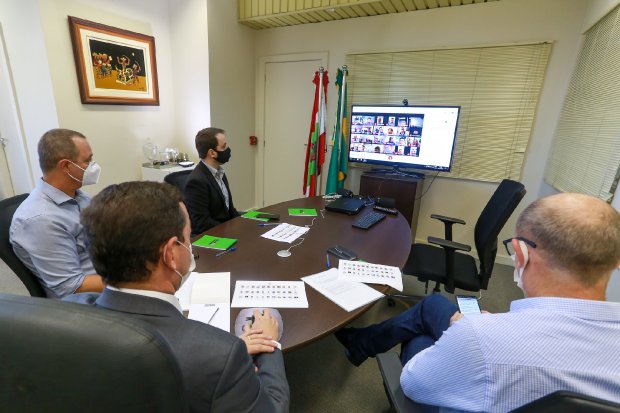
(387, 242)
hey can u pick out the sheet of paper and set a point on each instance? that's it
(273, 294)
(211, 288)
(217, 315)
(348, 295)
(366, 272)
(285, 233)
(204, 291)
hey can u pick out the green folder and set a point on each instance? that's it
(302, 212)
(252, 215)
(216, 243)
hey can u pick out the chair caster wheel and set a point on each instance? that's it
(391, 302)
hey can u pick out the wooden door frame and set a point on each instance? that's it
(260, 110)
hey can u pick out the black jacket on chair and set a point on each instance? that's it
(205, 201)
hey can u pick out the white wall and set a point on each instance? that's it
(231, 73)
(41, 59)
(501, 22)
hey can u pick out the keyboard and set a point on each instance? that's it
(368, 220)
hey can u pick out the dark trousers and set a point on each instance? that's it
(415, 329)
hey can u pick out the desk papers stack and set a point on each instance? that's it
(207, 298)
(349, 295)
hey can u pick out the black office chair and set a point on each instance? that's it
(178, 179)
(558, 402)
(568, 402)
(7, 210)
(444, 265)
(65, 357)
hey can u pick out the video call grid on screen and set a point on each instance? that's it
(415, 136)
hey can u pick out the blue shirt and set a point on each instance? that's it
(497, 362)
(48, 238)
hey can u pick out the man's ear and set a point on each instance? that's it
(168, 252)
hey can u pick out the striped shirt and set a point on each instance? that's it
(497, 362)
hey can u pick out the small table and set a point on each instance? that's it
(387, 242)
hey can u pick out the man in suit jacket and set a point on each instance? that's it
(207, 193)
(140, 245)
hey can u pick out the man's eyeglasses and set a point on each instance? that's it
(510, 249)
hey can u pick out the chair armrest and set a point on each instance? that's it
(449, 244)
(390, 367)
(445, 219)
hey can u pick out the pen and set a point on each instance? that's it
(214, 241)
(225, 251)
(327, 258)
(211, 319)
(264, 225)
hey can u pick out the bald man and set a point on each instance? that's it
(562, 336)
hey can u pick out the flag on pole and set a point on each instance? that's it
(315, 151)
(339, 158)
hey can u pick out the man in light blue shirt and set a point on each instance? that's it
(46, 233)
(563, 336)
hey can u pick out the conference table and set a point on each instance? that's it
(255, 259)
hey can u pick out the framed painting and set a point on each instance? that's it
(114, 66)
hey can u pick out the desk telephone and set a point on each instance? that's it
(342, 252)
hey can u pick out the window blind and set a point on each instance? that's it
(497, 88)
(585, 156)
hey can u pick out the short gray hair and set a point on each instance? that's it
(577, 233)
(57, 144)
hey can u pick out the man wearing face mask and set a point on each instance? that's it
(46, 233)
(207, 193)
(562, 336)
(140, 244)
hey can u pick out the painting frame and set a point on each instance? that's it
(114, 66)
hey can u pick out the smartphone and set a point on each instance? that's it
(468, 304)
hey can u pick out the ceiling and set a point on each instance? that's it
(264, 14)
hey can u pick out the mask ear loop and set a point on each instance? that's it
(524, 251)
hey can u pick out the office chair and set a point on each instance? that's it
(558, 402)
(444, 265)
(568, 402)
(178, 179)
(65, 357)
(7, 210)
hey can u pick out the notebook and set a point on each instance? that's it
(349, 206)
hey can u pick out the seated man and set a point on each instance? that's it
(140, 245)
(563, 336)
(46, 233)
(207, 194)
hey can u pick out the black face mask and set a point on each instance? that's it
(223, 156)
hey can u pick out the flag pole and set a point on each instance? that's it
(342, 94)
(316, 144)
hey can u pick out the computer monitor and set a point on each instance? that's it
(419, 137)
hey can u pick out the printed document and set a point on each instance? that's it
(275, 294)
(285, 233)
(349, 295)
(366, 272)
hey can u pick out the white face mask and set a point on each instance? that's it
(192, 265)
(518, 273)
(91, 173)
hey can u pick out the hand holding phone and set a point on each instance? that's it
(468, 304)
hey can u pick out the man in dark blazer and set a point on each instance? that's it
(207, 193)
(140, 244)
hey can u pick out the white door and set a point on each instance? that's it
(288, 99)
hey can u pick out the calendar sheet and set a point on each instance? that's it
(366, 272)
(275, 294)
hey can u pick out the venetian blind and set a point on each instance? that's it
(496, 87)
(585, 156)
